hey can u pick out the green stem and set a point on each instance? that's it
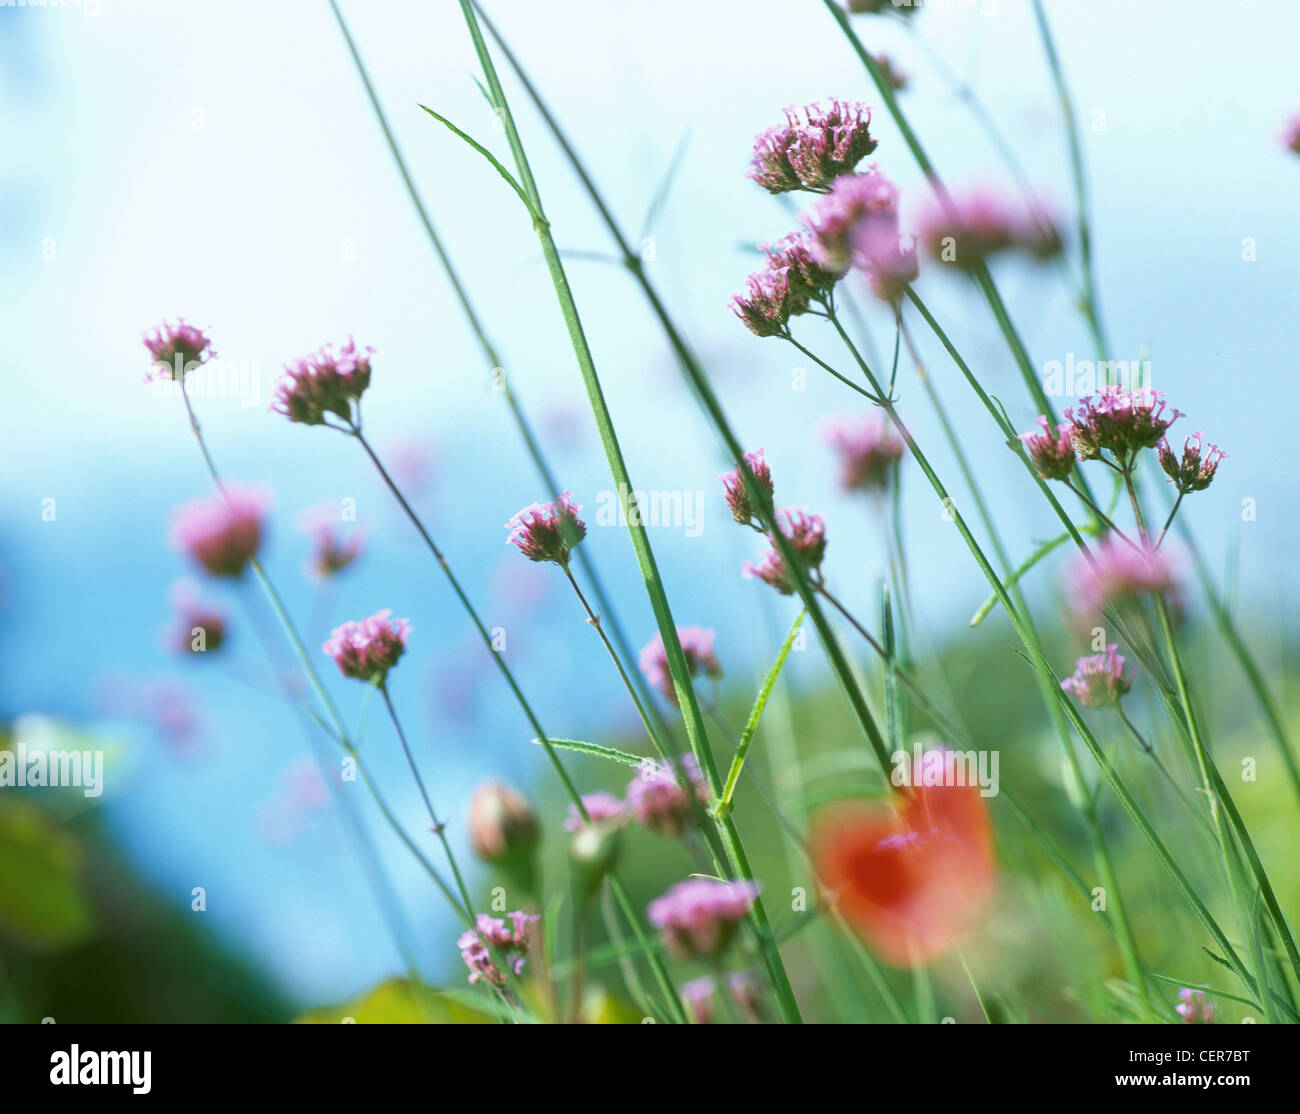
(692, 715)
(490, 354)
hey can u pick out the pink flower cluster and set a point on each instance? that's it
(737, 494)
(856, 225)
(697, 645)
(548, 531)
(966, 231)
(806, 533)
(1051, 450)
(1190, 472)
(791, 281)
(1099, 680)
(1119, 420)
(367, 649)
(511, 942)
(868, 449)
(1194, 1008)
(332, 551)
(602, 808)
(657, 800)
(816, 144)
(200, 626)
(177, 348)
(1291, 134)
(221, 533)
(325, 382)
(1119, 574)
(697, 918)
(699, 996)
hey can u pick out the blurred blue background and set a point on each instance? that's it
(220, 161)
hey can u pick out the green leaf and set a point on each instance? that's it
(42, 900)
(596, 749)
(496, 163)
(760, 702)
(401, 1002)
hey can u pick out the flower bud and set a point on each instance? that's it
(593, 850)
(502, 825)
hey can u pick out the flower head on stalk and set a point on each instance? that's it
(200, 626)
(807, 278)
(697, 646)
(699, 996)
(658, 796)
(323, 383)
(1051, 449)
(806, 533)
(602, 808)
(816, 144)
(511, 941)
(332, 551)
(1099, 680)
(222, 533)
(1120, 420)
(737, 494)
(839, 221)
(502, 824)
(1193, 1007)
(868, 450)
(768, 302)
(548, 531)
(895, 78)
(177, 349)
(697, 918)
(1118, 574)
(967, 231)
(1291, 134)
(1190, 472)
(367, 649)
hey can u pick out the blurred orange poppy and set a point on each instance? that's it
(911, 877)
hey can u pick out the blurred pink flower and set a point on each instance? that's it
(222, 533)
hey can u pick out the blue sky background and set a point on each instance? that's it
(219, 160)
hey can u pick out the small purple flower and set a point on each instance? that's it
(1119, 574)
(697, 918)
(332, 551)
(868, 450)
(367, 649)
(1120, 420)
(200, 626)
(602, 808)
(807, 278)
(839, 221)
(657, 799)
(1191, 472)
(768, 302)
(222, 533)
(1291, 134)
(697, 645)
(1051, 450)
(1194, 1008)
(804, 531)
(895, 78)
(737, 494)
(548, 531)
(697, 997)
(510, 940)
(967, 231)
(322, 383)
(814, 146)
(1099, 679)
(176, 350)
